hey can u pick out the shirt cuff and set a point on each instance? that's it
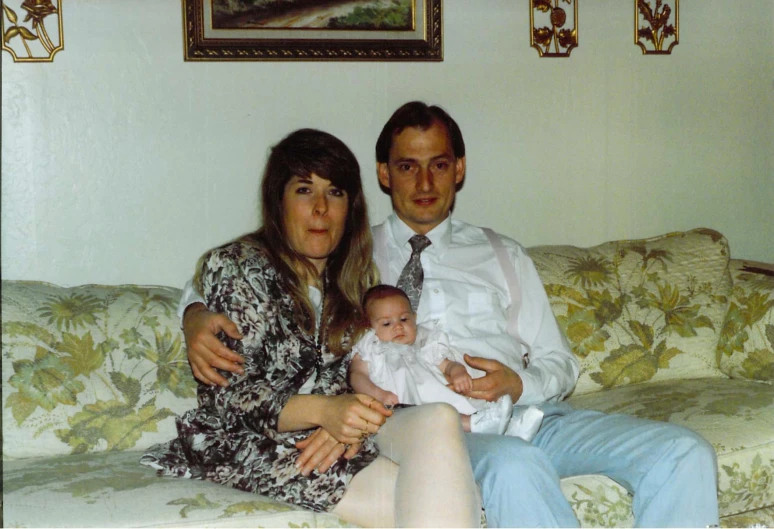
(188, 298)
(530, 393)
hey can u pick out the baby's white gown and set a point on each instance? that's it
(411, 371)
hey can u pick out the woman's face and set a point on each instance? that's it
(315, 214)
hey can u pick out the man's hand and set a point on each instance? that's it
(205, 351)
(499, 380)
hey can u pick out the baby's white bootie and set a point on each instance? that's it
(493, 417)
(525, 422)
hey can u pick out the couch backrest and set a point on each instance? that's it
(746, 345)
(90, 368)
(640, 310)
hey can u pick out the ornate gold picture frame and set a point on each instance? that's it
(653, 28)
(308, 30)
(39, 35)
(559, 35)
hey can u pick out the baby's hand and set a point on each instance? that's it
(462, 383)
(389, 399)
(459, 378)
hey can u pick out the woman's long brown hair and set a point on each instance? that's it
(350, 270)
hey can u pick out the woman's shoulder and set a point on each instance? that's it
(243, 252)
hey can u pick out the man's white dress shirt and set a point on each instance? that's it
(465, 294)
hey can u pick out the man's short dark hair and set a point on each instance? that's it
(417, 114)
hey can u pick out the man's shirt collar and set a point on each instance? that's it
(440, 236)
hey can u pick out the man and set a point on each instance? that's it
(500, 314)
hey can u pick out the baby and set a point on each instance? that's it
(398, 362)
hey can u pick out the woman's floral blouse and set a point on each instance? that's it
(232, 437)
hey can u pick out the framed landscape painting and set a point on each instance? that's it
(313, 30)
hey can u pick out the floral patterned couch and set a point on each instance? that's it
(668, 328)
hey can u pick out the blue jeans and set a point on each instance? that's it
(670, 470)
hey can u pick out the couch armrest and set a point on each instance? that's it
(746, 345)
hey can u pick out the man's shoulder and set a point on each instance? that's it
(466, 233)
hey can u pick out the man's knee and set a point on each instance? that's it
(698, 448)
(686, 447)
(520, 486)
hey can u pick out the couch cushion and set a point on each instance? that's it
(746, 346)
(757, 518)
(735, 416)
(112, 489)
(90, 368)
(640, 310)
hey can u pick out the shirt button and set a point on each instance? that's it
(436, 290)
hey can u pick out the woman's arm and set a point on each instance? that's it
(235, 283)
(345, 417)
(324, 447)
(236, 280)
(361, 382)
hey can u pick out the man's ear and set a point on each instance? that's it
(382, 171)
(460, 166)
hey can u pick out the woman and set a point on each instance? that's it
(293, 288)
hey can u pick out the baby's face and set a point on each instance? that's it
(393, 320)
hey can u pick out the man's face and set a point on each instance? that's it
(422, 176)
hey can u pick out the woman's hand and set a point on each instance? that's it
(346, 422)
(321, 450)
(205, 351)
(350, 418)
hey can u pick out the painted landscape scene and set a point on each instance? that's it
(314, 14)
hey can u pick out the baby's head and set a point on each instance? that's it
(389, 312)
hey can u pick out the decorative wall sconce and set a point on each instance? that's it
(651, 24)
(32, 43)
(558, 36)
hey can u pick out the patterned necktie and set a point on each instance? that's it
(411, 277)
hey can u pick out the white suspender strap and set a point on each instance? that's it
(381, 257)
(514, 290)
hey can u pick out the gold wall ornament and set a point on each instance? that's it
(651, 24)
(557, 37)
(32, 43)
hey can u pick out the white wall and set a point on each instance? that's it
(121, 163)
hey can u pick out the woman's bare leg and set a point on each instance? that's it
(370, 497)
(432, 484)
(465, 420)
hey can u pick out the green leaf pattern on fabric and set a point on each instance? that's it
(45, 382)
(748, 486)
(122, 343)
(746, 344)
(190, 504)
(601, 506)
(630, 308)
(76, 310)
(250, 507)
